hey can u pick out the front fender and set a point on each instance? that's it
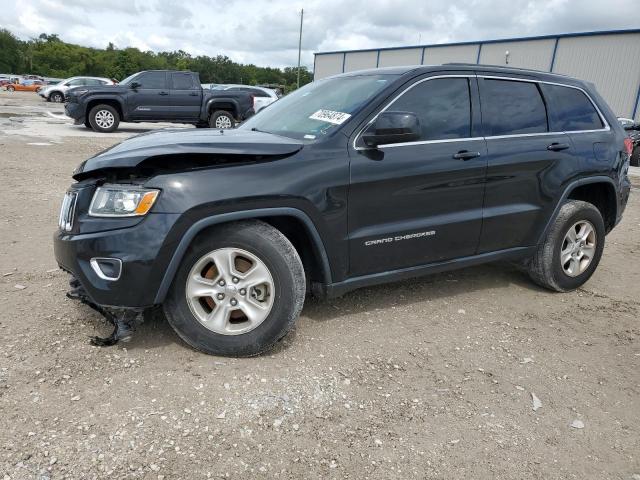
(203, 223)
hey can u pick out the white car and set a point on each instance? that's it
(261, 96)
(57, 92)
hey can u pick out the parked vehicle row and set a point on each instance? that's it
(261, 96)
(633, 131)
(157, 96)
(353, 180)
(57, 92)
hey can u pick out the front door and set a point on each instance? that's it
(149, 99)
(420, 202)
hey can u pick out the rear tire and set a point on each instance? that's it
(11, 89)
(104, 118)
(562, 263)
(270, 254)
(221, 120)
(56, 97)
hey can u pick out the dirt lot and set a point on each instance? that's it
(423, 379)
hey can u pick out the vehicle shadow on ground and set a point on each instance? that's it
(407, 292)
(155, 331)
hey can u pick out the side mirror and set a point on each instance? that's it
(392, 127)
(134, 85)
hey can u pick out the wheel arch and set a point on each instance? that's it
(227, 104)
(307, 241)
(105, 101)
(599, 191)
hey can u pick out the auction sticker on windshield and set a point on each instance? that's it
(330, 116)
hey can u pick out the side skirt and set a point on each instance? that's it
(337, 289)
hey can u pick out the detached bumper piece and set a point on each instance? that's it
(124, 320)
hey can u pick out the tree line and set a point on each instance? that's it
(49, 56)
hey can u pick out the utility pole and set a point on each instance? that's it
(300, 44)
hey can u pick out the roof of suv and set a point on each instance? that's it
(466, 66)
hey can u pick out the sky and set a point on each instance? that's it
(265, 33)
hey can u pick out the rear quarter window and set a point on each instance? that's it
(569, 109)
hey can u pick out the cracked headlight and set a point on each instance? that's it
(122, 201)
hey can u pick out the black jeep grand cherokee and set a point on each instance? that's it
(353, 180)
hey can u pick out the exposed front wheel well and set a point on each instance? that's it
(297, 232)
(601, 195)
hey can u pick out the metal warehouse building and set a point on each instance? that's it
(611, 60)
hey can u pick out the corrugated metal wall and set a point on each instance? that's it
(610, 60)
(453, 53)
(534, 54)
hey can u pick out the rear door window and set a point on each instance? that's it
(512, 107)
(443, 107)
(569, 109)
(152, 80)
(182, 81)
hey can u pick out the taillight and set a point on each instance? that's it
(628, 145)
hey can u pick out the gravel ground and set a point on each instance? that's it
(440, 377)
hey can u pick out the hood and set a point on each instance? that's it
(92, 89)
(180, 144)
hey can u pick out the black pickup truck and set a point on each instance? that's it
(157, 96)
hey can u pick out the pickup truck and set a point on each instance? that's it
(157, 96)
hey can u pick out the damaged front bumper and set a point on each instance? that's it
(143, 252)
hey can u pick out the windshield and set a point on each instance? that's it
(128, 79)
(318, 108)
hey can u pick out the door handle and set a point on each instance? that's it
(163, 93)
(556, 147)
(465, 155)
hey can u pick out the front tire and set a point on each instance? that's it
(238, 290)
(571, 250)
(104, 118)
(221, 120)
(11, 89)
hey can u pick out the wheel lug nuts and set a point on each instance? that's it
(235, 280)
(220, 296)
(221, 283)
(243, 291)
(234, 302)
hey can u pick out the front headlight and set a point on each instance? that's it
(122, 201)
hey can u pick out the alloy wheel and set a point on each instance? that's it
(230, 291)
(104, 119)
(223, 122)
(578, 248)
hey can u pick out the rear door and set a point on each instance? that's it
(185, 97)
(526, 162)
(149, 99)
(420, 202)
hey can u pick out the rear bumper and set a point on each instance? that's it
(139, 248)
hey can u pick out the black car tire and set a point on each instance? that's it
(95, 111)
(11, 89)
(635, 157)
(277, 253)
(87, 123)
(221, 114)
(545, 267)
(56, 97)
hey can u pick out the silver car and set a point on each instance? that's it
(56, 93)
